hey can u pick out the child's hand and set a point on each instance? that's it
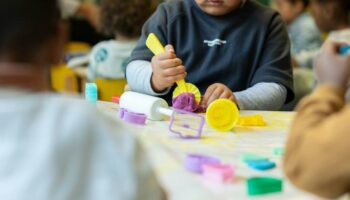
(330, 67)
(167, 69)
(217, 91)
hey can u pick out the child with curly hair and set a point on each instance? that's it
(122, 20)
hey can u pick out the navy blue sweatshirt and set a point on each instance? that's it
(240, 49)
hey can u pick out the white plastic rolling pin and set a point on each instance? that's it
(154, 108)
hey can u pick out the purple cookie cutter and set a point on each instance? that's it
(186, 125)
(195, 162)
(131, 117)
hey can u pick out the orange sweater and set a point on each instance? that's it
(317, 155)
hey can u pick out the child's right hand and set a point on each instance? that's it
(167, 69)
(332, 68)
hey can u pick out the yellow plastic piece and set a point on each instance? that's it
(253, 120)
(72, 47)
(189, 88)
(64, 79)
(154, 44)
(222, 115)
(156, 47)
(107, 88)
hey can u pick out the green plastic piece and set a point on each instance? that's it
(250, 157)
(263, 185)
(278, 151)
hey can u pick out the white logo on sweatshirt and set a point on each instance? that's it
(215, 42)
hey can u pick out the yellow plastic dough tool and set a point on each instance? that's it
(156, 47)
(251, 120)
(222, 115)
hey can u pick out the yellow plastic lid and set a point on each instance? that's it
(222, 115)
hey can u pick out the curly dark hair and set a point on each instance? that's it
(306, 2)
(125, 17)
(342, 6)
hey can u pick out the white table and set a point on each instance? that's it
(167, 152)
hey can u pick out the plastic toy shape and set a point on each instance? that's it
(222, 115)
(249, 157)
(278, 151)
(261, 164)
(253, 120)
(344, 50)
(186, 124)
(131, 117)
(263, 185)
(222, 173)
(194, 162)
(91, 92)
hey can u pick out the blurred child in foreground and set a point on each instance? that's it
(55, 147)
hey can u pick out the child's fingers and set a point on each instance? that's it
(217, 92)
(229, 95)
(232, 98)
(225, 95)
(172, 79)
(203, 102)
(173, 71)
(332, 47)
(166, 55)
(215, 95)
(170, 48)
(205, 98)
(170, 63)
(208, 92)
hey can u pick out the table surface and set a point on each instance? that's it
(167, 152)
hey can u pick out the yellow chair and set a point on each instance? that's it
(64, 79)
(107, 88)
(72, 47)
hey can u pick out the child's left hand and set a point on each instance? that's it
(217, 91)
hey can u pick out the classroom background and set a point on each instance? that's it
(104, 140)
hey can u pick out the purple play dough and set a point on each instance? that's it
(187, 102)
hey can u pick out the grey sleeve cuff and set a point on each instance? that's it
(138, 74)
(262, 96)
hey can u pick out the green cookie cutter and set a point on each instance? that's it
(263, 185)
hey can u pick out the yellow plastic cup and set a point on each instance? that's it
(222, 115)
